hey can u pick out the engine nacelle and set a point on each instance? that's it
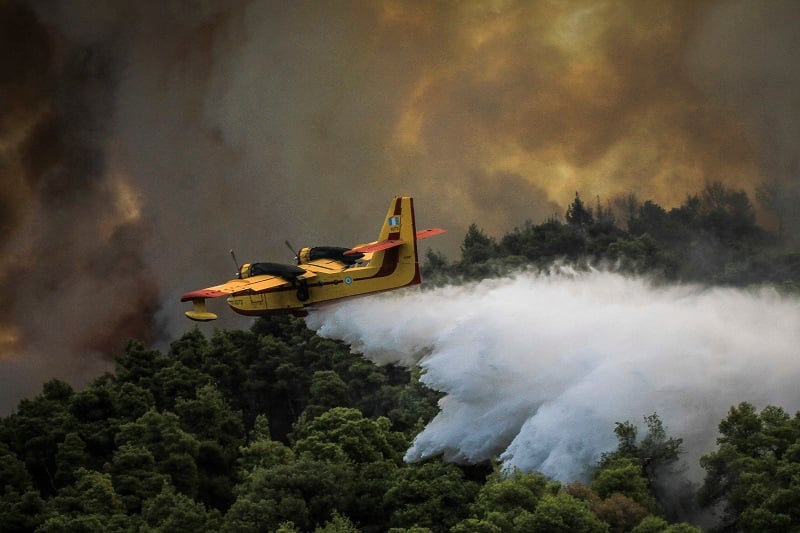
(287, 272)
(335, 253)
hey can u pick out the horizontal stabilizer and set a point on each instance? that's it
(391, 243)
(430, 232)
(375, 247)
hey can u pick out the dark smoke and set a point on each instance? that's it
(139, 144)
(72, 274)
(26, 69)
(746, 59)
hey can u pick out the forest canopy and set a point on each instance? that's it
(277, 429)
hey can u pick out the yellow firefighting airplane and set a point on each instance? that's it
(324, 273)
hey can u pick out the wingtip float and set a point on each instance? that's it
(324, 273)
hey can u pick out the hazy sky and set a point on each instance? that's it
(139, 143)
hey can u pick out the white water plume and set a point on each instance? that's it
(538, 368)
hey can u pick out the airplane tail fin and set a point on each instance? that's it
(399, 221)
(399, 226)
(395, 252)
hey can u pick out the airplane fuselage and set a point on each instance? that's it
(325, 273)
(380, 271)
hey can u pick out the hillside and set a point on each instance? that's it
(279, 429)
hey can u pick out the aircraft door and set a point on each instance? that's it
(257, 301)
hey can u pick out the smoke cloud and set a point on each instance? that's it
(537, 368)
(138, 145)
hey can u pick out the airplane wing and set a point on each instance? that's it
(391, 243)
(255, 283)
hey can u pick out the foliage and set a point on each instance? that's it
(578, 214)
(432, 495)
(560, 513)
(620, 512)
(650, 457)
(172, 511)
(712, 237)
(623, 476)
(755, 471)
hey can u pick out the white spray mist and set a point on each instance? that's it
(538, 368)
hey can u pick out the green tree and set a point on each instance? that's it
(173, 449)
(355, 438)
(475, 525)
(305, 492)
(220, 432)
(171, 511)
(652, 456)
(755, 472)
(641, 254)
(278, 382)
(367, 446)
(176, 381)
(21, 507)
(338, 524)
(431, 495)
(651, 219)
(657, 449)
(139, 365)
(207, 415)
(70, 456)
(327, 391)
(651, 524)
(132, 401)
(578, 214)
(625, 476)
(134, 474)
(415, 404)
(96, 420)
(97, 493)
(559, 512)
(91, 504)
(726, 213)
(226, 360)
(505, 497)
(34, 432)
(435, 268)
(190, 349)
(477, 247)
(261, 451)
(656, 524)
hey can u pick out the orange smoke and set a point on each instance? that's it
(138, 145)
(589, 96)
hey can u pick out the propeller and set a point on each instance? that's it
(291, 249)
(235, 262)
